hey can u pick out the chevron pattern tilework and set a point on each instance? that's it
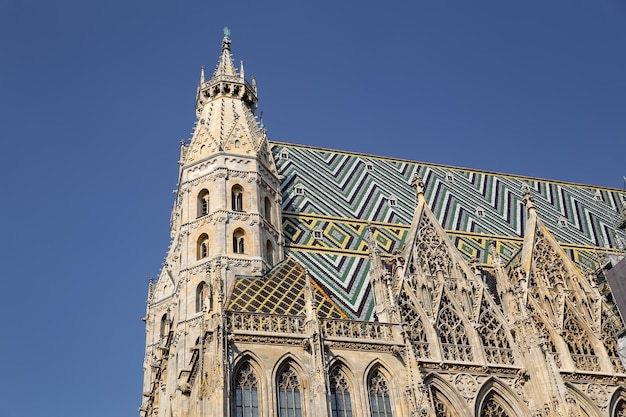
(337, 194)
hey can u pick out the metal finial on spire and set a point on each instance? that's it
(226, 40)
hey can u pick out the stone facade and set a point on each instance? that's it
(242, 320)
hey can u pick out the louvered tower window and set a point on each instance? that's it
(203, 203)
(237, 198)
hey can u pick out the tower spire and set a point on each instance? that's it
(225, 64)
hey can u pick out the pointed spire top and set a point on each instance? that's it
(202, 74)
(225, 64)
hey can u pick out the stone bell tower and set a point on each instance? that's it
(226, 222)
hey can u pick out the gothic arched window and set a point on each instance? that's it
(237, 198)
(380, 403)
(201, 292)
(239, 241)
(289, 402)
(340, 403)
(246, 392)
(203, 203)
(203, 246)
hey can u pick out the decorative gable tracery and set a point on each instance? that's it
(455, 344)
(580, 348)
(494, 337)
(430, 254)
(610, 326)
(415, 326)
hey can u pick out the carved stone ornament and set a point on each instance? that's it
(466, 385)
(598, 394)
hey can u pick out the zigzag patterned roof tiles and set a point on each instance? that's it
(340, 193)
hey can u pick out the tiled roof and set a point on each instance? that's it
(280, 291)
(340, 193)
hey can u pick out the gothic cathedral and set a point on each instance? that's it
(308, 282)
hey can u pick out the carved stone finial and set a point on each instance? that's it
(370, 237)
(418, 184)
(528, 199)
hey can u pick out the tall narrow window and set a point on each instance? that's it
(380, 404)
(289, 404)
(246, 393)
(268, 210)
(238, 241)
(203, 203)
(203, 246)
(340, 404)
(269, 253)
(237, 198)
(201, 293)
(165, 325)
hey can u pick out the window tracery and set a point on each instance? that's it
(417, 333)
(579, 346)
(340, 402)
(620, 410)
(454, 341)
(492, 409)
(442, 408)
(246, 392)
(493, 336)
(289, 402)
(544, 333)
(380, 403)
(609, 329)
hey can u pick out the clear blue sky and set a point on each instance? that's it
(96, 96)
